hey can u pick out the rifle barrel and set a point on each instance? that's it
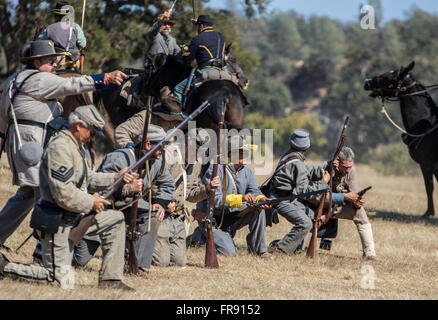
(148, 154)
(293, 196)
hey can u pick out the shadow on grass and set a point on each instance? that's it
(402, 217)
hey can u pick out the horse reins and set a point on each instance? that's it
(403, 89)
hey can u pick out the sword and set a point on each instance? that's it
(173, 5)
(83, 14)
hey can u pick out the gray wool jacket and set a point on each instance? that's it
(48, 87)
(296, 175)
(157, 44)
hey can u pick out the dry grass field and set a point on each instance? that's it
(406, 245)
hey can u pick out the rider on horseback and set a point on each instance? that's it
(68, 40)
(207, 48)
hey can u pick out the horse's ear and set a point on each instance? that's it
(228, 48)
(404, 71)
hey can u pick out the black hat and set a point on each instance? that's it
(59, 10)
(205, 20)
(38, 49)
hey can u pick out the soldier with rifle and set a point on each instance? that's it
(170, 247)
(349, 201)
(65, 179)
(238, 189)
(163, 193)
(293, 173)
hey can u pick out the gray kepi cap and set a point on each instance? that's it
(90, 116)
(155, 134)
(300, 139)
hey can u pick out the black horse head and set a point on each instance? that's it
(392, 83)
(170, 71)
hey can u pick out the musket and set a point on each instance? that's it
(132, 230)
(331, 168)
(274, 201)
(77, 233)
(311, 249)
(210, 249)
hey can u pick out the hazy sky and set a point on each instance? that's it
(344, 10)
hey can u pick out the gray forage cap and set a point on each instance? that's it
(155, 134)
(89, 115)
(300, 139)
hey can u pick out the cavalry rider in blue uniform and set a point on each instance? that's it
(208, 48)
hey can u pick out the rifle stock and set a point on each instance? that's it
(210, 248)
(78, 232)
(311, 249)
(132, 231)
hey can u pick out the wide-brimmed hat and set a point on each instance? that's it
(165, 20)
(300, 139)
(38, 49)
(205, 20)
(61, 8)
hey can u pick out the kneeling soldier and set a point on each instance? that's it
(64, 180)
(293, 173)
(163, 187)
(238, 186)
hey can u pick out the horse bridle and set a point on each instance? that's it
(400, 88)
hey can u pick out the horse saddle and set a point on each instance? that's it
(217, 75)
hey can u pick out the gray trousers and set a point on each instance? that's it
(57, 251)
(170, 246)
(301, 217)
(16, 210)
(223, 238)
(144, 245)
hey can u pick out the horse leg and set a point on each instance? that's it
(428, 181)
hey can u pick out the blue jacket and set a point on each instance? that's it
(208, 48)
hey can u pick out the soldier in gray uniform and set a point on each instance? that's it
(30, 96)
(240, 183)
(170, 247)
(349, 203)
(159, 39)
(293, 173)
(65, 179)
(163, 189)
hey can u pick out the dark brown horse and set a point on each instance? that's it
(69, 103)
(170, 71)
(420, 119)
